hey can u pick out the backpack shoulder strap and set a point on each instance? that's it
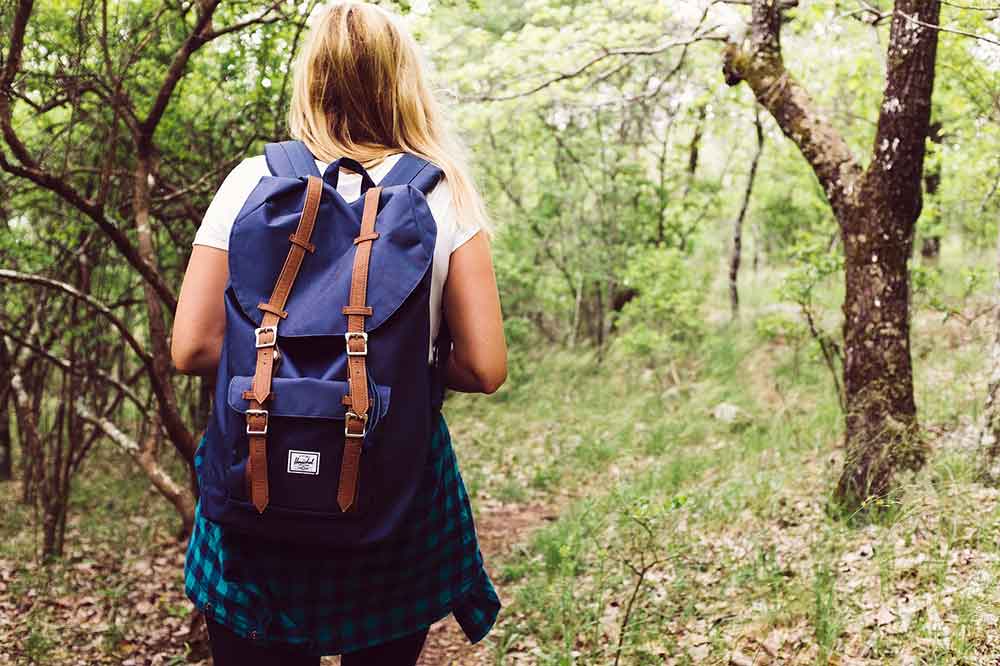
(290, 159)
(415, 171)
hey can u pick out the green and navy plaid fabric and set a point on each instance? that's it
(332, 601)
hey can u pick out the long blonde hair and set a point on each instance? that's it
(359, 90)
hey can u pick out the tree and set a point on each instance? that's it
(101, 108)
(736, 255)
(876, 208)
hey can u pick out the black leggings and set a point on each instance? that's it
(230, 649)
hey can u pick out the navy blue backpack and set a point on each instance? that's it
(325, 398)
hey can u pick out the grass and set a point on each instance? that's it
(748, 555)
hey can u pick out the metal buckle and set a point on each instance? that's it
(257, 412)
(349, 414)
(273, 330)
(356, 334)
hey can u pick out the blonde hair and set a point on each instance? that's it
(359, 90)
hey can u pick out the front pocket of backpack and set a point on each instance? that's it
(305, 441)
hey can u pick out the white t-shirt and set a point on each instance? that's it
(233, 193)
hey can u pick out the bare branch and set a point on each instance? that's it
(195, 39)
(605, 54)
(172, 421)
(260, 19)
(70, 367)
(13, 59)
(96, 305)
(953, 31)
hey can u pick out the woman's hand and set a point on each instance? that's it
(478, 361)
(200, 320)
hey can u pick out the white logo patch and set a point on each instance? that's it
(303, 462)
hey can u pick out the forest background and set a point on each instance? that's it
(747, 253)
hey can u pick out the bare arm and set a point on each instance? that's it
(200, 321)
(478, 362)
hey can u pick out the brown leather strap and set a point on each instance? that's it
(363, 237)
(265, 307)
(304, 244)
(356, 418)
(266, 340)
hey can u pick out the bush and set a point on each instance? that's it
(663, 320)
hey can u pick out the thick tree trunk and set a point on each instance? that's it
(877, 211)
(882, 433)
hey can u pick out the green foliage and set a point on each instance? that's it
(664, 319)
(816, 261)
(791, 207)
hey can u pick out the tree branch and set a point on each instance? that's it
(605, 54)
(260, 19)
(70, 367)
(195, 39)
(762, 67)
(182, 499)
(18, 28)
(29, 171)
(96, 305)
(172, 421)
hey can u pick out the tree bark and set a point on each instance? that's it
(877, 212)
(882, 431)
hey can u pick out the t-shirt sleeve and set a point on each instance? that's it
(446, 216)
(226, 205)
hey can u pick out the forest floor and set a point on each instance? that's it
(668, 511)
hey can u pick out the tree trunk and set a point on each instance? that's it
(694, 148)
(736, 257)
(989, 437)
(170, 415)
(877, 210)
(930, 247)
(6, 437)
(882, 433)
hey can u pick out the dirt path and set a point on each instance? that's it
(500, 528)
